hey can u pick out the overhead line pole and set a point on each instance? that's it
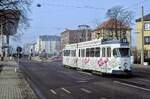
(142, 49)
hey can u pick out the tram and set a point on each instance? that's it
(110, 56)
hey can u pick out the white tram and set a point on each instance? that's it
(111, 57)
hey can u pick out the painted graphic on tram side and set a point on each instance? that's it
(102, 61)
(86, 60)
(107, 62)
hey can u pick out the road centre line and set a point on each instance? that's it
(53, 91)
(67, 91)
(85, 90)
(129, 85)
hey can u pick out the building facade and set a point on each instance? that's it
(146, 35)
(112, 29)
(28, 48)
(75, 36)
(49, 44)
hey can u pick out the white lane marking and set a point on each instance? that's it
(129, 85)
(84, 73)
(103, 98)
(136, 82)
(144, 80)
(54, 92)
(85, 90)
(82, 81)
(67, 91)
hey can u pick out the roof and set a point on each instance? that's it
(49, 38)
(111, 24)
(74, 31)
(146, 18)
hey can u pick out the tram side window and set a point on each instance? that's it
(114, 53)
(92, 53)
(103, 52)
(73, 53)
(64, 53)
(82, 52)
(108, 52)
(87, 52)
(68, 52)
(97, 52)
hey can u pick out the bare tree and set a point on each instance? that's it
(13, 12)
(122, 18)
(16, 8)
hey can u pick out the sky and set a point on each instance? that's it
(54, 16)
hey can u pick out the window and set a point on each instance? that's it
(146, 39)
(97, 52)
(147, 26)
(109, 52)
(121, 52)
(92, 52)
(73, 53)
(66, 52)
(82, 52)
(103, 52)
(87, 52)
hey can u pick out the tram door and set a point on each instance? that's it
(104, 65)
(106, 55)
(81, 58)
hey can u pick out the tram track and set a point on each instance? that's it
(135, 85)
(138, 83)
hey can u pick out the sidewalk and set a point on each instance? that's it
(12, 84)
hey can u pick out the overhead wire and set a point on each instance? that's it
(66, 5)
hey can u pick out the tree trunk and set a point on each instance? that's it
(7, 40)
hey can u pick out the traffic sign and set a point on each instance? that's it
(19, 49)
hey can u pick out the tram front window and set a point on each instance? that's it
(121, 52)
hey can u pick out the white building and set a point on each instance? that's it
(48, 43)
(28, 47)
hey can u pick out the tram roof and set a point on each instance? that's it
(98, 42)
(103, 41)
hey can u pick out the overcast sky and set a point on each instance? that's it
(55, 15)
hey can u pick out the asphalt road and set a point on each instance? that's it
(53, 81)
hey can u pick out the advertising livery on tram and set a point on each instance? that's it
(112, 57)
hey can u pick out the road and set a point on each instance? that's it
(53, 81)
